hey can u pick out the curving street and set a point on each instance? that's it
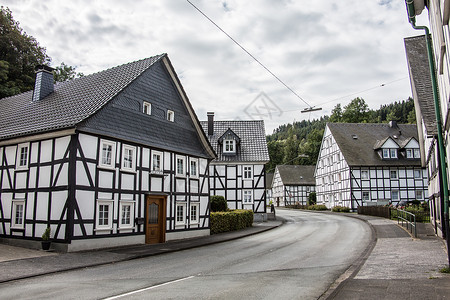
(298, 260)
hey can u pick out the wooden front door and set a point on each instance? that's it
(155, 219)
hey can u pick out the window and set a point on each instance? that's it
(394, 195)
(193, 170)
(170, 116)
(417, 173)
(393, 153)
(22, 156)
(416, 153)
(385, 153)
(247, 197)
(393, 174)
(180, 215)
(180, 166)
(248, 172)
(108, 154)
(126, 214)
(193, 215)
(147, 108)
(409, 153)
(18, 217)
(229, 146)
(104, 215)
(365, 196)
(157, 161)
(419, 195)
(364, 174)
(128, 158)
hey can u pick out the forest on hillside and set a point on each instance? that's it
(299, 143)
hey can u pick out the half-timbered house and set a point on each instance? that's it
(292, 184)
(114, 158)
(369, 164)
(422, 91)
(238, 173)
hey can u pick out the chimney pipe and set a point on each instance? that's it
(393, 124)
(43, 85)
(210, 123)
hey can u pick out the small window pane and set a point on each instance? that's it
(153, 210)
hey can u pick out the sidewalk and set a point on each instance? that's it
(19, 263)
(397, 267)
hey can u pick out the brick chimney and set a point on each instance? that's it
(43, 85)
(210, 123)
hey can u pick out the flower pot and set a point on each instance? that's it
(46, 245)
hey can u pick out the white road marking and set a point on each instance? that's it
(148, 288)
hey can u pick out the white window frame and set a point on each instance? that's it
(110, 205)
(122, 206)
(15, 204)
(419, 192)
(417, 173)
(19, 165)
(393, 172)
(161, 161)
(196, 219)
(393, 153)
(112, 164)
(247, 173)
(409, 153)
(177, 170)
(386, 153)
(170, 115)
(125, 167)
(245, 194)
(416, 152)
(398, 195)
(229, 146)
(147, 108)
(182, 221)
(193, 169)
(366, 172)
(365, 198)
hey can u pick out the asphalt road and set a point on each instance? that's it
(298, 260)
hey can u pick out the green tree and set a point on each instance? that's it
(336, 114)
(312, 198)
(357, 111)
(19, 55)
(311, 146)
(276, 151)
(65, 72)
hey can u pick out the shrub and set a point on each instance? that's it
(46, 234)
(218, 203)
(340, 209)
(312, 199)
(317, 207)
(230, 220)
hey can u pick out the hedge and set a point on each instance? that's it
(317, 207)
(230, 220)
(340, 209)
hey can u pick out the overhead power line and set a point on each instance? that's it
(254, 58)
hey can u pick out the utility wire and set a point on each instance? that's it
(245, 50)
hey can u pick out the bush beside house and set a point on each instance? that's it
(225, 221)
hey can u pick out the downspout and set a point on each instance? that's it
(441, 153)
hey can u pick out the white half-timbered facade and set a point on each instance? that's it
(292, 184)
(114, 158)
(238, 173)
(369, 164)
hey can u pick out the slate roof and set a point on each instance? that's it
(71, 102)
(252, 147)
(297, 174)
(361, 151)
(420, 76)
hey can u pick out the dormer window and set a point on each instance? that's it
(389, 153)
(229, 146)
(386, 153)
(412, 153)
(393, 153)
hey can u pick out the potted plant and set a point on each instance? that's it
(46, 239)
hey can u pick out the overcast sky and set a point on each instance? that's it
(328, 52)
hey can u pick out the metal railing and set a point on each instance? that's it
(409, 219)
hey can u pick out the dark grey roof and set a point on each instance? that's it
(252, 146)
(297, 174)
(360, 151)
(70, 103)
(420, 76)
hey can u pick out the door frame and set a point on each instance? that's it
(161, 215)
